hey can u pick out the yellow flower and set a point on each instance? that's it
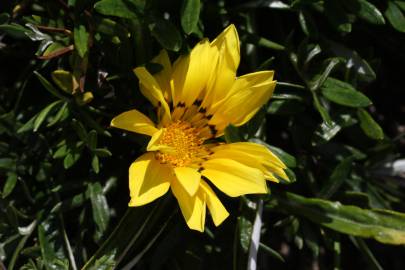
(196, 99)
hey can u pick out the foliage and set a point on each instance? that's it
(336, 118)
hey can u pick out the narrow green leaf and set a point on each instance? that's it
(15, 30)
(80, 129)
(395, 16)
(337, 178)
(269, 44)
(39, 119)
(308, 24)
(344, 94)
(319, 79)
(165, 33)
(385, 226)
(29, 125)
(369, 125)
(102, 152)
(92, 139)
(101, 212)
(271, 252)
(60, 115)
(135, 228)
(353, 60)
(48, 254)
(81, 38)
(119, 8)
(321, 109)
(190, 14)
(48, 86)
(95, 164)
(8, 187)
(17, 250)
(364, 249)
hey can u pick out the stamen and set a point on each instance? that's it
(186, 142)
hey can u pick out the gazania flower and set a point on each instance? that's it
(196, 99)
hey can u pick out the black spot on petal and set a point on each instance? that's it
(197, 102)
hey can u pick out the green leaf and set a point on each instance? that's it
(327, 67)
(321, 109)
(337, 16)
(60, 115)
(337, 178)
(400, 4)
(262, 42)
(48, 254)
(65, 81)
(29, 125)
(102, 152)
(165, 33)
(365, 10)
(80, 130)
(285, 107)
(119, 8)
(353, 60)
(308, 24)
(271, 252)
(8, 187)
(344, 94)
(39, 119)
(367, 254)
(7, 163)
(369, 126)
(395, 16)
(95, 164)
(72, 156)
(190, 14)
(325, 132)
(232, 134)
(101, 211)
(135, 228)
(48, 86)
(385, 226)
(92, 139)
(81, 38)
(15, 30)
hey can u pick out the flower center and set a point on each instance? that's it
(184, 142)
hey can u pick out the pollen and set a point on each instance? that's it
(184, 142)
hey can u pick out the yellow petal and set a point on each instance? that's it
(248, 94)
(254, 149)
(217, 209)
(134, 121)
(189, 178)
(234, 178)
(191, 73)
(192, 207)
(163, 77)
(148, 179)
(253, 155)
(227, 44)
(229, 37)
(151, 89)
